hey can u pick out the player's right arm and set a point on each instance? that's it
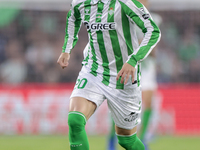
(73, 24)
(63, 60)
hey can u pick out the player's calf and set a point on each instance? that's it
(131, 142)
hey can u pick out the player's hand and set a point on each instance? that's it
(63, 60)
(125, 72)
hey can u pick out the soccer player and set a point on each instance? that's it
(111, 66)
(148, 82)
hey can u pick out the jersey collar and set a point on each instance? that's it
(103, 1)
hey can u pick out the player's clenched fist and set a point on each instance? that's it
(125, 72)
(63, 60)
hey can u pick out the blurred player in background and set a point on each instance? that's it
(111, 68)
(112, 138)
(148, 84)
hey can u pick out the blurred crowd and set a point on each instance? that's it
(178, 56)
(31, 41)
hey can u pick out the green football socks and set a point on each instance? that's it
(77, 135)
(145, 123)
(131, 142)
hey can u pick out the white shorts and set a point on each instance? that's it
(124, 105)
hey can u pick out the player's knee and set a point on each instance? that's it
(73, 123)
(76, 121)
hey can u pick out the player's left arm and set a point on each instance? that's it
(139, 15)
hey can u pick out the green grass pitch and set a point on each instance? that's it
(96, 143)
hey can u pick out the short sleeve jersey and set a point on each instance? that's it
(112, 37)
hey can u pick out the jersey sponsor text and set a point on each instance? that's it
(100, 26)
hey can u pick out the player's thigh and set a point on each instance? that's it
(121, 131)
(124, 106)
(82, 105)
(86, 96)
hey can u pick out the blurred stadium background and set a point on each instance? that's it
(34, 91)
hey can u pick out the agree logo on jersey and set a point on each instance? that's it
(100, 26)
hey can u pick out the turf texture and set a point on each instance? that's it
(96, 143)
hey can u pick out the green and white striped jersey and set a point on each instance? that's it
(112, 37)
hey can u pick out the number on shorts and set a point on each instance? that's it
(80, 84)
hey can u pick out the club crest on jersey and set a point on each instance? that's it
(111, 11)
(100, 26)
